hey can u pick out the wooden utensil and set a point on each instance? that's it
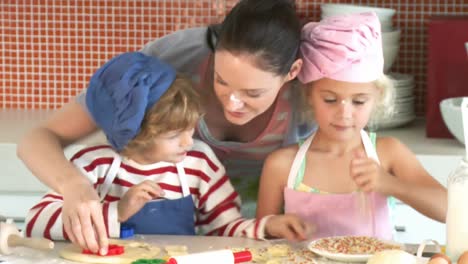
(10, 237)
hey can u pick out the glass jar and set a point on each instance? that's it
(457, 211)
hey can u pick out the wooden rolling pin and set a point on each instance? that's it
(10, 237)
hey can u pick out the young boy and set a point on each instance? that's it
(155, 177)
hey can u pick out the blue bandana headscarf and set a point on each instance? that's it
(121, 91)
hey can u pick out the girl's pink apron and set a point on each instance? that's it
(339, 214)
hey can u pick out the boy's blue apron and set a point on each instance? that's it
(163, 216)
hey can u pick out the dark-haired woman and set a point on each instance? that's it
(243, 70)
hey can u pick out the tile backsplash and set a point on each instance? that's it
(50, 48)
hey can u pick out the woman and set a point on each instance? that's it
(241, 68)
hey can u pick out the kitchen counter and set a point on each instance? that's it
(413, 135)
(194, 244)
(14, 123)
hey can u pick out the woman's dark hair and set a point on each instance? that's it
(267, 29)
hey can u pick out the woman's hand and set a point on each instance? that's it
(136, 197)
(368, 175)
(288, 226)
(82, 217)
(81, 211)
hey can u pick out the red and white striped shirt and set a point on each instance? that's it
(217, 204)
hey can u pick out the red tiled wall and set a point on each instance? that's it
(50, 48)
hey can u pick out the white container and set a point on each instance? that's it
(390, 54)
(451, 111)
(457, 212)
(382, 13)
(391, 37)
(385, 15)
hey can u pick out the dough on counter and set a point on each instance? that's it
(279, 250)
(133, 250)
(280, 254)
(259, 255)
(176, 250)
(274, 261)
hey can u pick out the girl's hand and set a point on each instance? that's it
(368, 174)
(288, 226)
(136, 197)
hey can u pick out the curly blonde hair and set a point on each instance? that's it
(384, 107)
(179, 108)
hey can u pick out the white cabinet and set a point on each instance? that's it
(15, 175)
(412, 226)
(19, 189)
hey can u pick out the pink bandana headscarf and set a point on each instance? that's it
(343, 48)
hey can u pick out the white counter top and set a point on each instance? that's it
(16, 178)
(193, 243)
(414, 136)
(14, 123)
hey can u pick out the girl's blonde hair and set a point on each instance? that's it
(384, 107)
(179, 108)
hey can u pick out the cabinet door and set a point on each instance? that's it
(19, 189)
(410, 225)
(16, 177)
(413, 227)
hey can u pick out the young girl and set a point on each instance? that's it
(155, 178)
(339, 178)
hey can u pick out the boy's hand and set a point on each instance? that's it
(136, 197)
(368, 174)
(288, 226)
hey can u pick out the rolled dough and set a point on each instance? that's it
(134, 250)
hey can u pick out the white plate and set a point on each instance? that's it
(406, 92)
(342, 256)
(401, 79)
(402, 93)
(403, 100)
